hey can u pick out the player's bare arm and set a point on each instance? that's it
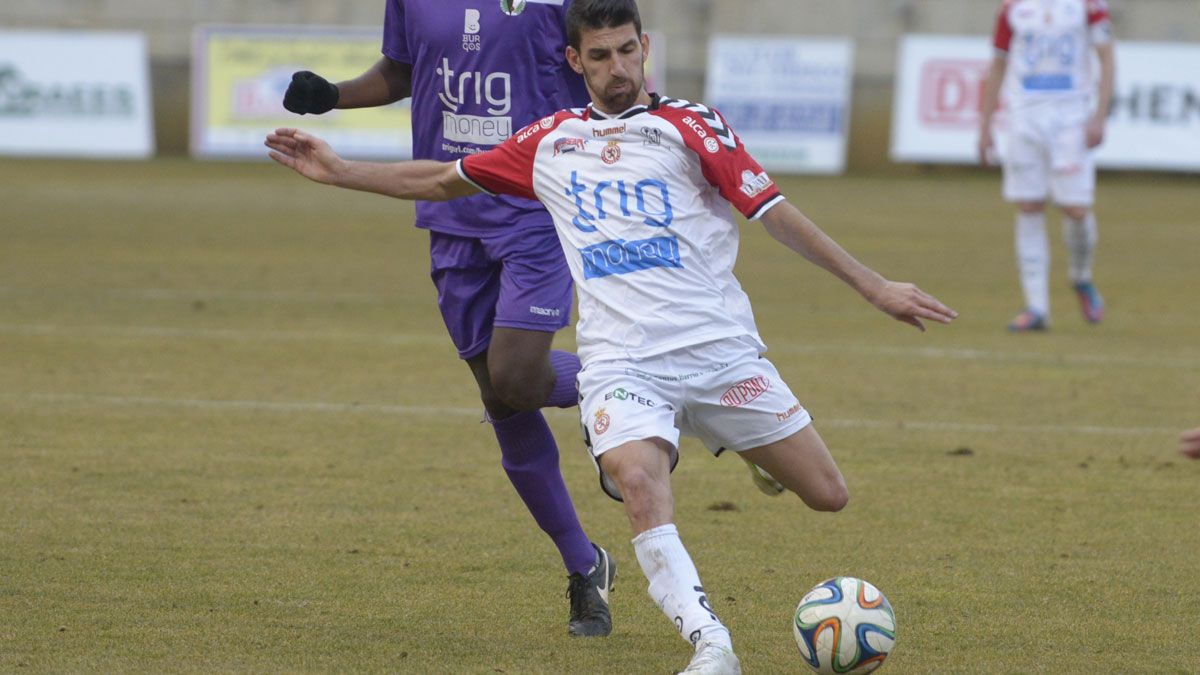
(988, 105)
(1189, 443)
(902, 301)
(1095, 127)
(384, 83)
(312, 158)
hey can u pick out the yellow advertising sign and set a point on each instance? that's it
(241, 73)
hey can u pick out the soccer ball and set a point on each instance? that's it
(844, 625)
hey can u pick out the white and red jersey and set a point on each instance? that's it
(1049, 46)
(641, 202)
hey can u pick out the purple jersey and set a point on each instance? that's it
(480, 72)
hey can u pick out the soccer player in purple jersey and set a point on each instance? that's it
(641, 188)
(476, 70)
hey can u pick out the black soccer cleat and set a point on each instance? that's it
(589, 598)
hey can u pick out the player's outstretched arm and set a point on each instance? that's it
(312, 158)
(1189, 443)
(904, 302)
(987, 108)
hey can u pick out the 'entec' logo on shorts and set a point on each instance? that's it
(745, 391)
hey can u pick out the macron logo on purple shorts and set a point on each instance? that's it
(618, 256)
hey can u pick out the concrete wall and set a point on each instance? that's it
(874, 24)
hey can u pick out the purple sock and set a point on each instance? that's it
(564, 395)
(530, 458)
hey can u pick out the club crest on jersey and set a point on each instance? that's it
(602, 422)
(565, 145)
(512, 7)
(753, 185)
(611, 153)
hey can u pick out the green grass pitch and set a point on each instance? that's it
(235, 438)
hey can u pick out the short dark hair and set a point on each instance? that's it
(597, 14)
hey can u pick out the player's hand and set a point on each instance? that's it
(907, 303)
(1095, 131)
(310, 93)
(1189, 443)
(307, 155)
(987, 148)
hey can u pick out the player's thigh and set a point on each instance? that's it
(519, 366)
(803, 464)
(1026, 168)
(618, 407)
(468, 286)
(1074, 185)
(744, 405)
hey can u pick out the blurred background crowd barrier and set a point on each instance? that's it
(814, 86)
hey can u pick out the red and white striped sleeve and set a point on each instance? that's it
(508, 168)
(724, 160)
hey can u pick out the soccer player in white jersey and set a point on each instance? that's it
(1044, 57)
(640, 188)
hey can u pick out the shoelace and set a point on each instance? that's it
(577, 588)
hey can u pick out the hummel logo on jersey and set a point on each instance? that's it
(601, 133)
(752, 185)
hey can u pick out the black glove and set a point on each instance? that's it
(310, 93)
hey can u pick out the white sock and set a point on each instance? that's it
(1081, 236)
(1033, 261)
(675, 586)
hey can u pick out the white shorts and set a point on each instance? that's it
(1048, 157)
(722, 392)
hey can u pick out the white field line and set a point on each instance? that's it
(985, 355)
(51, 330)
(476, 413)
(169, 294)
(933, 353)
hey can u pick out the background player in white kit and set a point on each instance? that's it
(1044, 57)
(640, 188)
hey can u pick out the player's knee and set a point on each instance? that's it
(1075, 212)
(1031, 207)
(832, 498)
(517, 388)
(639, 489)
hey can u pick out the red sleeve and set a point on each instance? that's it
(508, 167)
(724, 161)
(1097, 11)
(1002, 37)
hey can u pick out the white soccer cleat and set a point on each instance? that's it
(713, 659)
(764, 481)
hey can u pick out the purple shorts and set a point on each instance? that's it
(514, 279)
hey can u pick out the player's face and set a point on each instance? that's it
(611, 62)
